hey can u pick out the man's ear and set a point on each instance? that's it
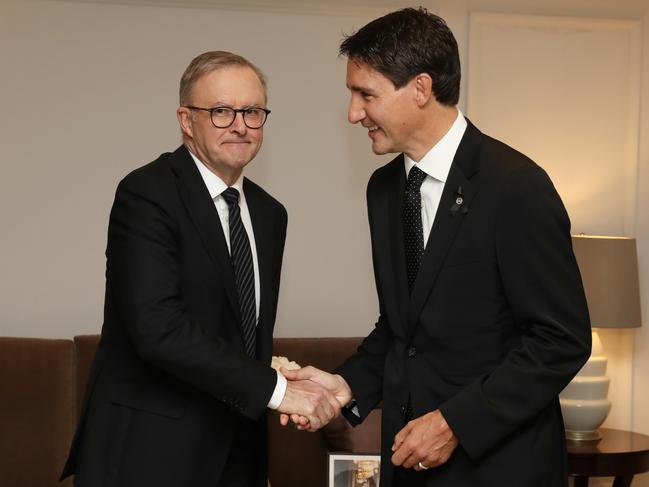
(185, 119)
(423, 84)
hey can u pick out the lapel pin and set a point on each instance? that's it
(459, 203)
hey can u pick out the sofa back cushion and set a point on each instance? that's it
(37, 410)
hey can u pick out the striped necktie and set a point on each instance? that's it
(244, 272)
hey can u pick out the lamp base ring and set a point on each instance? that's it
(583, 435)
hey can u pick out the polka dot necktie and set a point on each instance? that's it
(413, 232)
(244, 272)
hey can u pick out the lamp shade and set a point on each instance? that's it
(609, 271)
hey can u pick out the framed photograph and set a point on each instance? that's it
(353, 470)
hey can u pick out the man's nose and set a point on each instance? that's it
(356, 113)
(238, 126)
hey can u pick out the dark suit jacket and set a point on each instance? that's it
(496, 324)
(171, 382)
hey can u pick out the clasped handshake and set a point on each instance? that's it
(313, 397)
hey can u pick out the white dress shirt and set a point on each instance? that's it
(216, 186)
(436, 164)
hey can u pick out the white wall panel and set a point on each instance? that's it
(564, 91)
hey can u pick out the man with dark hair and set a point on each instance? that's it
(483, 319)
(181, 379)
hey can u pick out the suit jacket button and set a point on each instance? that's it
(412, 351)
(403, 409)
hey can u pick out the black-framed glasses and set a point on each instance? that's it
(223, 117)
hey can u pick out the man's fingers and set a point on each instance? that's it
(413, 459)
(398, 457)
(289, 374)
(407, 445)
(304, 373)
(401, 436)
(315, 422)
(402, 452)
(299, 420)
(409, 455)
(423, 442)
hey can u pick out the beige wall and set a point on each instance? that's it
(88, 93)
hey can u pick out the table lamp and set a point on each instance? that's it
(609, 271)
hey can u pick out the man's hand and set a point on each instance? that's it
(310, 405)
(334, 383)
(427, 440)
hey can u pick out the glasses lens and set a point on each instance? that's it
(254, 117)
(223, 117)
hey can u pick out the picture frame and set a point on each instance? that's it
(353, 469)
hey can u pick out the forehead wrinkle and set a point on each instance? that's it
(225, 104)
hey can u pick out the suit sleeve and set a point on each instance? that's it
(364, 370)
(144, 276)
(543, 288)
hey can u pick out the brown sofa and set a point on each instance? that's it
(42, 382)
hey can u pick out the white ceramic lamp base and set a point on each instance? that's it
(583, 402)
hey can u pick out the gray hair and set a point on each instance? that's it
(211, 61)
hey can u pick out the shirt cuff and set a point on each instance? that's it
(351, 413)
(354, 409)
(278, 394)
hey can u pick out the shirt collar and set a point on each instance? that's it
(215, 184)
(437, 161)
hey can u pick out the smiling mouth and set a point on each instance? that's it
(373, 130)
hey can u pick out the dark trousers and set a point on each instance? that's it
(243, 464)
(408, 477)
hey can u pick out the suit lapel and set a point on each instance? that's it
(451, 212)
(201, 210)
(387, 236)
(262, 227)
(398, 252)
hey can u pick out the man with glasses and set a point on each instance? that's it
(181, 380)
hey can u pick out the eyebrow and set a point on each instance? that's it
(359, 89)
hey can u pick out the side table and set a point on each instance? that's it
(619, 454)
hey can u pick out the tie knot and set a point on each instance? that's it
(415, 178)
(231, 196)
